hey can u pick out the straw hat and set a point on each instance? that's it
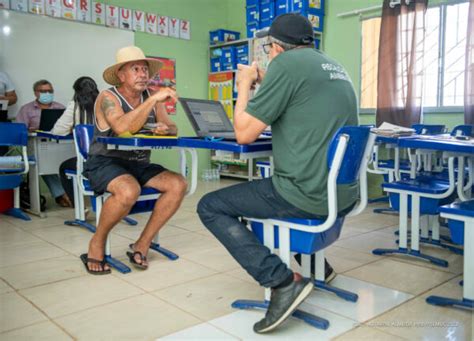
(126, 55)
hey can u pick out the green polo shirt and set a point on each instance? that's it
(305, 97)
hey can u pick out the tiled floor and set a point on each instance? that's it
(45, 293)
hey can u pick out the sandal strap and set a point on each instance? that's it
(96, 261)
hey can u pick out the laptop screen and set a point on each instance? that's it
(206, 116)
(48, 118)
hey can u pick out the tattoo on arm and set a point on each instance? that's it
(107, 106)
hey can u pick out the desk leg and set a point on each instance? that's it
(35, 192)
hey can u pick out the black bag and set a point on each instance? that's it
(25, 197)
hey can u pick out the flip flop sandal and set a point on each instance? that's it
(131, 257)
(85, 259)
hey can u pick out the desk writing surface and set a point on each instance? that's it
(139, 141)
(48, 135)
(227, 145)
(437, 143)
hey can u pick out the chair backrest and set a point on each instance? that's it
(429, 129)
(13, 134)
(462, 130)
(354, 154)
(83, 134)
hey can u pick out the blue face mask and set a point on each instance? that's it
(46, 97)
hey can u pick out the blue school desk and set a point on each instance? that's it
(46, 152)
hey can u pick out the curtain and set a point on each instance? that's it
(400, 65)
(469, 73)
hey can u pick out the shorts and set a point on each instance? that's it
(101, 170)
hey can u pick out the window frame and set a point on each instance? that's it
(441, 53)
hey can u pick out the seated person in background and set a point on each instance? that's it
(306, 97)
(127, 107)
(7, 89)
(7, 92)
(30, 114)
(78, 111)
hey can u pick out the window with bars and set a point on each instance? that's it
(443, 50)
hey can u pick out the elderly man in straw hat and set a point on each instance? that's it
(128, 106)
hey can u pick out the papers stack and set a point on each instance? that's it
(392, 130)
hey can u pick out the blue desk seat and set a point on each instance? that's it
(348, 156)
(462, 212)
(420, 196)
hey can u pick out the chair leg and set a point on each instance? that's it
(468, 283)
(321, 284)
(79, 216)
(285, 254)
(155, 245)
(16, 210)
(130, 221)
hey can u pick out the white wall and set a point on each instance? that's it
(60, 51)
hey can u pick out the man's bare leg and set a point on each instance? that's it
(124, 190)
(173, 188)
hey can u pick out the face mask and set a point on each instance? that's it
(46, 97)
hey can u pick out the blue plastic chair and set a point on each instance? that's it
(79, 207)
(145, 203)
(462, 130)
(462, 232)
(348, 155)
(429, 129)
(13, 168)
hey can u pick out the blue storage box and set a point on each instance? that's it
(227, 66)
(304, 242)
(316, 19)
(264, 167)
(215, 64)
(317, 45)
(251, 29)
(228, 55)
(222, 36)
(299, 6)
(267, 11)
(282, 7)
(316, 6)
(264, 23)
(242, 60)
(456, 227)
(253, 13)
(253, 3)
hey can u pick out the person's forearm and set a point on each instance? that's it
(10, 97)
(241, 104)
(134, 120)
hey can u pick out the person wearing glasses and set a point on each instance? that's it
(30, 114)
(306, 97)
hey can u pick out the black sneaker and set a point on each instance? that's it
(329, 273)
(283, 303)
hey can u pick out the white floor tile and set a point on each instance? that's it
(373, 299)
(240, 324)
(203, 331)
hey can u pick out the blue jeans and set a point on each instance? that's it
(220, 211)
(54, 185)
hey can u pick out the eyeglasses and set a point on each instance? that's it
(267, 47)
(51, 91)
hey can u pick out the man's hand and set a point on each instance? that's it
(165, 94)
(161, 129)
(247, 75)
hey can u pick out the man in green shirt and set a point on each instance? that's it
(306, 97)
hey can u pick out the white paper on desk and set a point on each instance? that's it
(3, 104)
(388, 129)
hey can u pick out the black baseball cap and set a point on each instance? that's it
(290, 28)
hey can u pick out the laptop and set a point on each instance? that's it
(209, 118)
(48, 118)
